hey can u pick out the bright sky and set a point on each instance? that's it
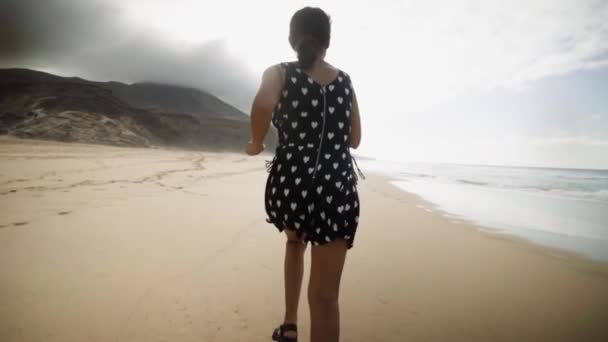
(488, 82)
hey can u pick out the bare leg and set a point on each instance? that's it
(294, 270)
(323, 290)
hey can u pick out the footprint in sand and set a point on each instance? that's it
(187, 319)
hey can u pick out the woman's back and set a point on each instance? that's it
(312, 183)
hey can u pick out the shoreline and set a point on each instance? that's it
(493, 232)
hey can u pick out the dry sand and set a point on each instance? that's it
(103, 243)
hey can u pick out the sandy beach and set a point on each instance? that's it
(101, 243)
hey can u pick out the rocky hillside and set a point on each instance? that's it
(44, 106)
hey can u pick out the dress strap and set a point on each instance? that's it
(269, 164)
(358, 169)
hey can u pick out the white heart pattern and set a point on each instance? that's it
(293, 186)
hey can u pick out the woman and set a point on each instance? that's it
(311, 191)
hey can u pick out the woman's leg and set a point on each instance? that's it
(323, 289)
(294, 270)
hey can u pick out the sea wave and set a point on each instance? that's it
(470, 182)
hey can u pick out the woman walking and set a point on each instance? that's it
(311, 189)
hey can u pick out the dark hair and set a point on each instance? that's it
(309, 33)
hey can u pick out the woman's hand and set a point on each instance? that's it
(254, 148)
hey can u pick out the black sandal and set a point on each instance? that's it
(277, 335)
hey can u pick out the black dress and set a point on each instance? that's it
(312, 186)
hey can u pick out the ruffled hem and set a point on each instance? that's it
(306, 238)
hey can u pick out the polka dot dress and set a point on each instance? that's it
(312, 186)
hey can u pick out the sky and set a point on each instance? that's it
(482, 82)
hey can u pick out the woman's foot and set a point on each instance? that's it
(286, 332)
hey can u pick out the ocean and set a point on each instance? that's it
(560, 208)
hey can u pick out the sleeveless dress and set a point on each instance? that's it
(311, 185)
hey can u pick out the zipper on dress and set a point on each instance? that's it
(322, 135)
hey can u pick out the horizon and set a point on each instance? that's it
(524, 85)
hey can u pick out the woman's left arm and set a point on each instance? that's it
(266, 98)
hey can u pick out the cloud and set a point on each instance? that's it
(95, 39)
(446, 69)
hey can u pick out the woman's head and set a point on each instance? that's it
(309, 32)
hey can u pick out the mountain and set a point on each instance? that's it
(35, 104)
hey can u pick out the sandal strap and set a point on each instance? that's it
(288, 327)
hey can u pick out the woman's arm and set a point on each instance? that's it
(266, 98)
(355, 133)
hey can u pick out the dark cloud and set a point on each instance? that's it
(92, 39)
